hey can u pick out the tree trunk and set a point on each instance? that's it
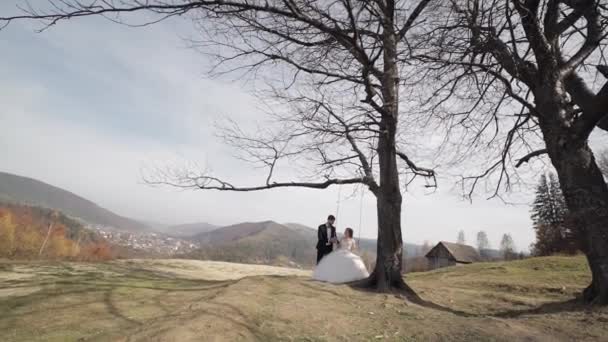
(46, 239)
(586, 195)
(389, 254)
(386, 275)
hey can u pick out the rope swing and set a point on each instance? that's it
(338, 201)
(360, 215)
(360, 209)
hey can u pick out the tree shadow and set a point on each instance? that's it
(325, 287)
(571, 305)
(328, 288)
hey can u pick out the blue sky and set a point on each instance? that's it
(94, 72)
(87, 104)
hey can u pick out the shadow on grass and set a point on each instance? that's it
(572, 305)
(568, 305)
(318, 286)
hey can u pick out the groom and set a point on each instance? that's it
(326, 237)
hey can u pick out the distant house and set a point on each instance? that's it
(450, 254)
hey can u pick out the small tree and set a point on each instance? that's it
(483, 244)
(507, 247)
(7, 234)
(461, 239)
(52, 221)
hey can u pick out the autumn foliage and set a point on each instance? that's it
(36, 233)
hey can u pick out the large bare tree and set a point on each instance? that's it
(334, 66)
(528, 77)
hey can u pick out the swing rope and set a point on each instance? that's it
(360, 215)
(360, 210)
(338, 201)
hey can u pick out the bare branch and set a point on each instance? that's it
(419, 171)
(203, 182)
(530, 155)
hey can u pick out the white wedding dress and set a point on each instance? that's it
(341, 266)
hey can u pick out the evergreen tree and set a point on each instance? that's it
(559, 203)
(549, 214)
(542, 208)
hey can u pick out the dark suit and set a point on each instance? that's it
(322, 248)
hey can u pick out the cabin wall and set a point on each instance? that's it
(440, 257)
(440, 262)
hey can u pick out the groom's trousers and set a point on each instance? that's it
(323, 251)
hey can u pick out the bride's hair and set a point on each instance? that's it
(349, 232)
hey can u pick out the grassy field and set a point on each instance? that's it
(185, 300)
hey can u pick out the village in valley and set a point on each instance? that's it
(150, 242)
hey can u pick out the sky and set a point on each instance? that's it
(86, 105)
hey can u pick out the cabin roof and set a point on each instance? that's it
(460, 252)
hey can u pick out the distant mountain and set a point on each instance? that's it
(302, 229)
(155, 226)
(365, 245)
(189, 229)
(265, 242)
(25, 190)
(235, 232)
(269, 242)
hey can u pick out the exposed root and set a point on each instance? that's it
(595, 296)
(396, 286)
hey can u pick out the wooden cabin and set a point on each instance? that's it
(450, 254)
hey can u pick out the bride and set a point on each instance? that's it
(341, 266)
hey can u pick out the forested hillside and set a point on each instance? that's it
(38, 233)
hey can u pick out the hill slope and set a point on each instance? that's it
(24, 190)
(233, 233)
(173, 300)
(265, 242)
(188, 229)
(39, 233)
(365, 245)
(269, 242)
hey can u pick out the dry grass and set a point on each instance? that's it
(211, 270)
(181, 300)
